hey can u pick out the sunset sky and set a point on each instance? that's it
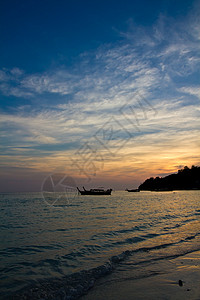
(106, 92)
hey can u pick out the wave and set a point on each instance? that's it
(73, 286)
(32, 249)
(118, 232)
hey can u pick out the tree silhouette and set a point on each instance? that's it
(185, 179)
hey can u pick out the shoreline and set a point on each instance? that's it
(178, 278)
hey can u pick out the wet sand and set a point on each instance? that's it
(178, 278)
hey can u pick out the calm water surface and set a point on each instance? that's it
(39, 241)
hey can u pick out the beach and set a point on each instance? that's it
(175, 278)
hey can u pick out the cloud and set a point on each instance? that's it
(130, 65)
(145, 82)
(58, 82)
(191, 90)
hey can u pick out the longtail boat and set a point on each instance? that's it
(94, 191)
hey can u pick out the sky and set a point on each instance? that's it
(106, 93)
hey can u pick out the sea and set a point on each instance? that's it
(62, 243)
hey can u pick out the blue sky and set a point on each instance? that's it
(104, 91)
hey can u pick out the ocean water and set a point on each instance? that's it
(47, 241)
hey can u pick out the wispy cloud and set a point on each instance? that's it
(191, 90)
(158, 65)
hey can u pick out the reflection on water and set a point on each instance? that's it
(40, 241)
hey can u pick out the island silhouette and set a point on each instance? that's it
(185, 179)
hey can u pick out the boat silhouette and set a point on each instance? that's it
(133, 190)
(94, 191)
